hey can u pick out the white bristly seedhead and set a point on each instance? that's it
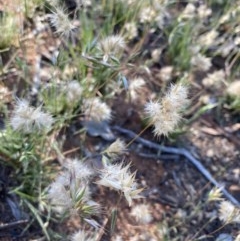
(28, 119)
(60, 21)
(116, 149)
(166, 114)
(119, 178)
(96, 110)
(228, 213)
(73, 92)
(111, 46)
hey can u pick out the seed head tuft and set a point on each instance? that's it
(70, 193)
(111, 46)
(73, 91)
(96, 110)
(29, 119)
(60, 21)
(166, 114)
(215, 194)
(200, 62)
(119, 178)
(116, 149)
(135, 86)
(228, 213)
(214, 79)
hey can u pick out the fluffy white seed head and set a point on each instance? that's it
(116, 149)
(201, 62)
(166, 73)
(177, 97)
(141, 213)
(119, 178)
(60, 197)
(5, 94)
(96, 110)
(166, 123)
(70, 192)
(234, 89)
(60, 21)
(228, 213)
(72, 185)
(188, 13)
(153, 110)
(214, 79)
(131, 30)
(28, 119)
(208, 38)
(73, 91)
(166, 114)
(203, 11)
(135, 86)
(147, 15)
(111, 46)
(79, 169)
(215, 194)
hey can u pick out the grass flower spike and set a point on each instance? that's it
(214, 79)
(60, 197)
(215, 194)
(135, 86)
(228, 213)
(29, 119)
(116, 149)
(96, 110)
(60, 21)
(233, 89)
(70, 193)
(131, 30)
(111, 46)
(73, 92)
(147, 15)
(80, 169)
(200, 62)
(119, 178)
(165, 115)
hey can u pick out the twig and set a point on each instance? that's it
(12, 224)
(102, 230)
(61, 155)
(180, 151)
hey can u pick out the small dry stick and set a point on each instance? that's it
(13, 224)
(179, 151)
